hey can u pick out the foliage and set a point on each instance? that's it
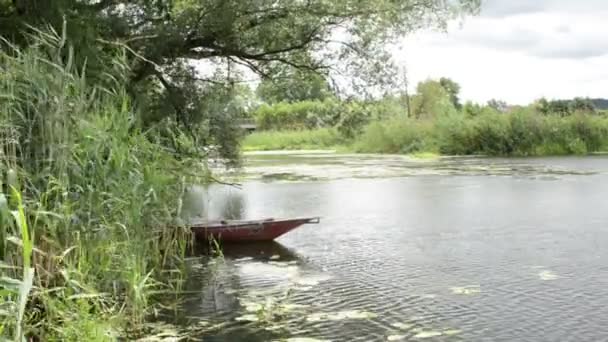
(498, 105)
(394, 136)
(453, 90)
(381, 126)
(299, 115)
(565, 107)
(99, 199)
(521, 133)
(286, 86)
(432, 100)
(348, 117)
(169, 41)
(321, 138)
(352, 119)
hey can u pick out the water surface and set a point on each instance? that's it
(454, 249)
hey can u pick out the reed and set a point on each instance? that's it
(89, 202)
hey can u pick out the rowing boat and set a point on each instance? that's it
(245, 231)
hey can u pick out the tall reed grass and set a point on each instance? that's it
(89, 202)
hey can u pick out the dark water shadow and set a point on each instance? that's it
(259, 251)
(254, 251)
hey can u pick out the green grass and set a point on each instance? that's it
(426, 155)
(322, 138)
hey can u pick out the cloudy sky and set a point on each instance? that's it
(518, 51)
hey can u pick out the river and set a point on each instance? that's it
(450, 249)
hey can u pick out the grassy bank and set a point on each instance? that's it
(521, 133)
(87, 206)
(322, 138)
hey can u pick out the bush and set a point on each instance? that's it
(321, 138)
(380, 127)
(298, 115)
(522, 133)
(395, 136)
(348, 117)
(455, 135)
(352, 119)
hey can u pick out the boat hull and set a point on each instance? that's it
(246, 231)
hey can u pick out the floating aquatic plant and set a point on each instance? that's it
(547, 275)
(248, 318)
(466, 290)
(341, 315)
(428, 334)
(402, 326)
(303, 339)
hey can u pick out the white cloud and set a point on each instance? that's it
(519, 50)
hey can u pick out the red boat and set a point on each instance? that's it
(244, 231)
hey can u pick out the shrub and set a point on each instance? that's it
(293, 140)
(298, 115)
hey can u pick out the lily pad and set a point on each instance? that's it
(402, 326)
(354, 314)
(451, 332)
(428, 334)
(248, 318)
(230, 291)
(302, 288)
(466, 290)
(339, 316)
(252, 307)
(274, 327)
(317, 317)
(291, 307)
(547, 275)
(312, 280)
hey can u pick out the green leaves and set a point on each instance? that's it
(293, 87)
(159, 39)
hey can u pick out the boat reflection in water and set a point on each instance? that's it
(220, 281)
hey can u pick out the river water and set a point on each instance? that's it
(452, 249)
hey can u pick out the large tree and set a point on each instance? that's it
(432, 100)
(170, 41)
(453, 90)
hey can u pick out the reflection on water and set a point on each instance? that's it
(256, 290)
(501, 255)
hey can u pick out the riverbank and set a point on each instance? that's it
(518, 134)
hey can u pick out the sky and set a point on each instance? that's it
(517, 51)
